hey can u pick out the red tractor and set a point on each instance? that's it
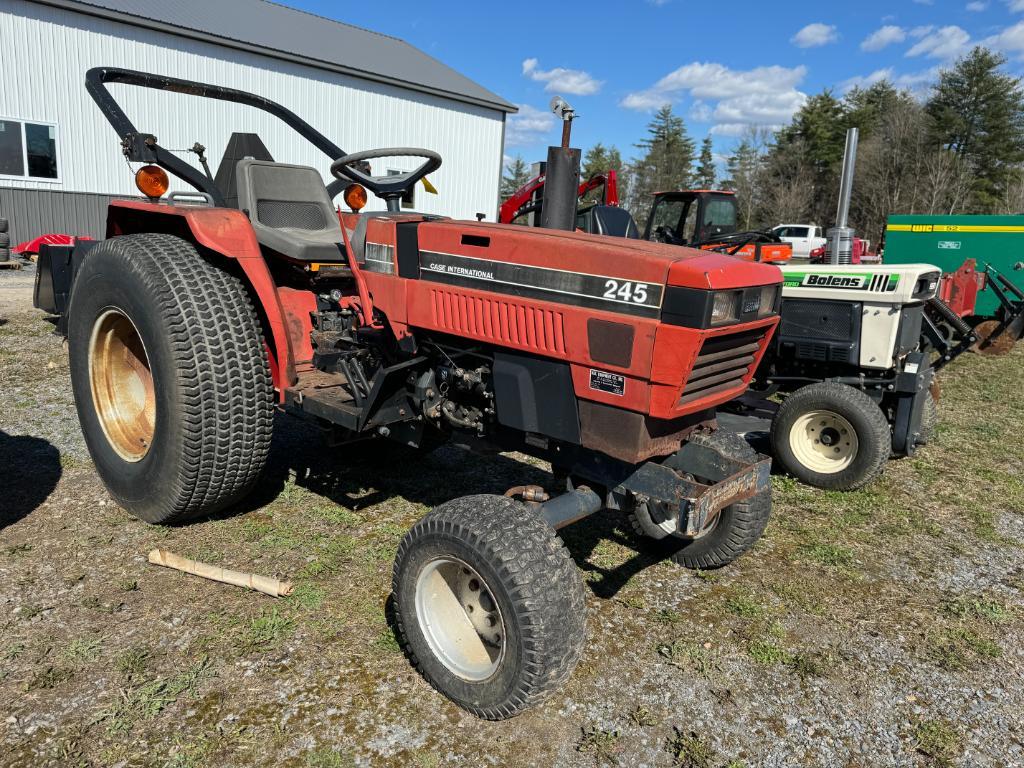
(201, 314)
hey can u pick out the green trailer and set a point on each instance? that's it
(948, 241)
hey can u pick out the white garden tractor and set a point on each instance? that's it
(853, 363)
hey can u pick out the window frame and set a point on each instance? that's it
(21, 121)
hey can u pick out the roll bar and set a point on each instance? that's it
(143, 147)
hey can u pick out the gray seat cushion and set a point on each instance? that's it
(290, 210)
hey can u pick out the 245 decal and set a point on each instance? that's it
(636, 293)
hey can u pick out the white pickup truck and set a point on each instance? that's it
(803, 237)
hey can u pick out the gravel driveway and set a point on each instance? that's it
(877, 628)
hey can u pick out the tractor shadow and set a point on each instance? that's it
(29, 471)
(360, 475)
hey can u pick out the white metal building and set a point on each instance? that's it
(60, 160)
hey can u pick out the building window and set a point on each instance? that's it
(28, 150)
(409, 196)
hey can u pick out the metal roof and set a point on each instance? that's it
(287, 33)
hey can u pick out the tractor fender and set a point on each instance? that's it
(228, 234)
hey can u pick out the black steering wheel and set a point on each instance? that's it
(389, 188)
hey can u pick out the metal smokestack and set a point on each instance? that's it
(562, 175)
(840, 238)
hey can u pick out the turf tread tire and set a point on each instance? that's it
(739, 525)
(222, 419)
(530, 565)
(5, 240)
(4, 225)
(874, 434)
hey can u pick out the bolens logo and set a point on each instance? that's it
(835, 281)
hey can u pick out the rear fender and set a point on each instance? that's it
(224, 234)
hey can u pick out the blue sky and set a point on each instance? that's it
(723, 65)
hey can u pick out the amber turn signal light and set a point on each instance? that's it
(355, 197)
(152, 181)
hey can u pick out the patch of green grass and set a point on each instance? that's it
(938, 741)
(602, 744)
(387, 641)
(831, 555)
(48, 678)
(132, 662)
(128, 585)
(668, 616)
(146, 701)
(986, 609)
(19, 549)
(642, 716)
(766, 652)
(689, 655)
(689, 750)
(745, 605)
(332, 513)
(807, 665)
(83, 650)
(30, 610)
(308, 597)
(957, 648)
(267, 630)
(11, 652)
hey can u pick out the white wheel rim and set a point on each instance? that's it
(823, 441)
(460, 619)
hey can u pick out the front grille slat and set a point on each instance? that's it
(723, 363)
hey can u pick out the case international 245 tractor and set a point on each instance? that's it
(198, 315)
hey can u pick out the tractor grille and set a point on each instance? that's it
(499, 320)
(723, 364)
(282, 214)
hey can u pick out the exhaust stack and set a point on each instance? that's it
(839, 247)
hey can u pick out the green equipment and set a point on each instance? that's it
(948, 241)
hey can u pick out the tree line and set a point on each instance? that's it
(960, 149)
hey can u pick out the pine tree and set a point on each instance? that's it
(599, 159)
(517, 173)
(978, 112)
(667, 162)
(705, 177)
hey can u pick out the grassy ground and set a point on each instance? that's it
(868, 629)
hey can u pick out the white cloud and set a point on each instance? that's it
(977, 6)
(815, 35)
(727, 97)
(945, 43)
(528, 126)
(562, 80)
(917, 83)
(1016, 6)
(918, 32)
(1010, 40)
(882, 37)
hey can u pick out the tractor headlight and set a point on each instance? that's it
(725, 307)
(769, 299)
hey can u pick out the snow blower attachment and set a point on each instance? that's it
(605, 357)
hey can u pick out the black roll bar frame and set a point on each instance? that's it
(143, 147)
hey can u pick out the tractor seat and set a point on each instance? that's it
(290, 210)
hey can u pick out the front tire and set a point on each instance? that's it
(831, 436)
(170, 376)
(489, 605)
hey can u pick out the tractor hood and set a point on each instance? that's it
(588, 255)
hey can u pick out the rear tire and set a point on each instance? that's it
(171, 379)
(4, 225)
(5, 240)
(489, 605)
(831, 436)
(737, 527)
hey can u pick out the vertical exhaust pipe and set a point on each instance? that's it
(562, 175)
(839, 246)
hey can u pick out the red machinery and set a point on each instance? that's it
(605, 357)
